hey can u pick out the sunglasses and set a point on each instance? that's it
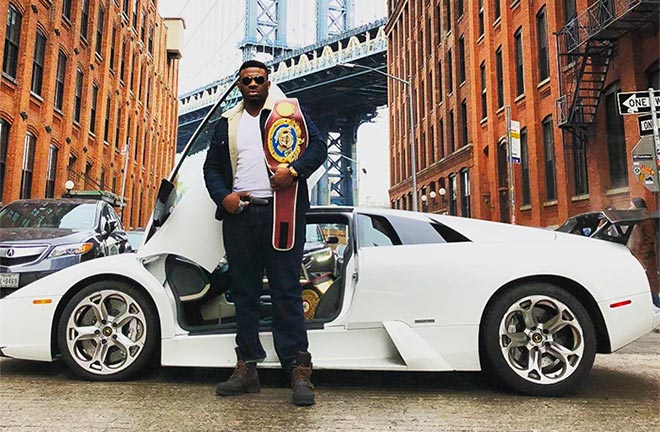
(257, 79)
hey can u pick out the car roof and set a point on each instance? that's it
(55, 200)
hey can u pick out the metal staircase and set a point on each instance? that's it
(585, 47)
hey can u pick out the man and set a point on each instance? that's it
(642, 244)
(242, 186)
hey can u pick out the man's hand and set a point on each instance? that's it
(282, 178)
(233, 204)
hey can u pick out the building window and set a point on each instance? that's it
(616, 141)
(524, 162)
(122, 62)
(450, 73)
(66, 9)
(102, 179)
(484, 101)
(542, 36)
(38, 63)
(112, 49)
(481, 18)
(99, 31)
(653, 75)
(441, 131)
(549, 155)
(151, 40)
(570, 10)
(452, 194)
(106, 130)
(135, 14)
(51, 171)
(580, 166)
(28, 165)
(77, 100)
(460, 8)
(440, 91)
(499, 65)
(92, 115)
(448, 11)
(4, 146)
(464, 123)
(143, 28)
(452, 143)
(461, 59)
(84, 20)
(520, 81)
(497, 12)
(465, 193)
(59, 81)
(117, 128)
(12, 41)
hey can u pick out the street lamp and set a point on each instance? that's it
(413, 159)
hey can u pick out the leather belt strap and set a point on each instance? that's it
(284, 141)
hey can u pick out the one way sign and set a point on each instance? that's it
(646, 124)
(637, 102)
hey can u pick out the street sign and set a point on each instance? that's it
(645, 124)
(515, 141)
(644, 163)
(636, 102)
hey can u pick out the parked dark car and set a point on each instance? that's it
(612, 224)
(39, 237)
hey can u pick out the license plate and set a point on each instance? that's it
(9, 280)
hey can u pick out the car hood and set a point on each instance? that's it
(52, 236)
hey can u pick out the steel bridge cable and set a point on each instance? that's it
(208, 14)
(184, 7)
(203, 68)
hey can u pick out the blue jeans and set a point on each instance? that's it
(249, 246)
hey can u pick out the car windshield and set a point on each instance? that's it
(135, 238)
(66, 215)
(313, 234)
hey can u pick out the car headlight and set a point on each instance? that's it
(322, 255)
(71, 249)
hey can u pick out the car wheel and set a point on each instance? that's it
(538, 339)
(108, 331)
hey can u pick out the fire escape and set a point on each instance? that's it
(585, 48)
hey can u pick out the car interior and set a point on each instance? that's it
(204, 301)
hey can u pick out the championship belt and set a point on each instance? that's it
(285, 140)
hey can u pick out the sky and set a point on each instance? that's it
(214, 29)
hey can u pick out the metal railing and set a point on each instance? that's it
(594, 20)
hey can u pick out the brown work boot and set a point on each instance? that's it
(245, 379)
(301, 375)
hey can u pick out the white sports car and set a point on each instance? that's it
(415, 292)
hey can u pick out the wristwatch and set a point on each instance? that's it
(293, 171)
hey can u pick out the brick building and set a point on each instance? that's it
(80, 79)
(468, 60)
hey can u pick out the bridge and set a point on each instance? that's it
(338, 98)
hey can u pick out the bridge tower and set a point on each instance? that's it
(265, 28)
(266, 24)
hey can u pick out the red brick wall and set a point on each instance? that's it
(156, 124)
(634, 54)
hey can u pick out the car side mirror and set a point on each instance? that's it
(332, 240)
(109, 226)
